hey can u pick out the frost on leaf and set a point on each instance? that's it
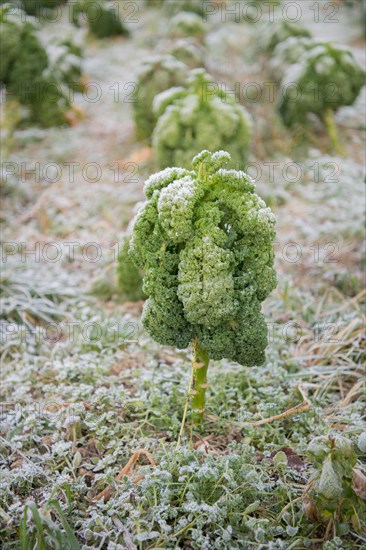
(176, 207)
(157, 74)
(280, 30)
(197, 117)
(204, 242)
(326, 77)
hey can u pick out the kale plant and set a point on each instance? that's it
(287, 53)
(198, 117)
(187, 51)
(26, 70)
(66, 63)
(280, 30)
(187, 25)
(326, 78)
(157, 74)
(35, 7)
(103, 18)
(9, 42)
(204, 240)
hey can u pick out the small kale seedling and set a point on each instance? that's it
(204, 240)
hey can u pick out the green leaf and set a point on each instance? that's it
(252, 507)
(280, 459)
(38, 521)
(71, 539)
(330, 485)
(77, 460)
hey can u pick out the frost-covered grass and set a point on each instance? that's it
(78, 405)
(80, 410)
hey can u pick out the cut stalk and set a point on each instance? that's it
(200, 361)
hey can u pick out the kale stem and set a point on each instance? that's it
(200, 363)
(197, 387)
(329, 122)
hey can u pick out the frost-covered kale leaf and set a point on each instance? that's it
(198, 117)
(326, 78)
(157, 74)
(204, 240)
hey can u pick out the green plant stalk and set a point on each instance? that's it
(200, 361)
(328, 119)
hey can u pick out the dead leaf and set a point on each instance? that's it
(46, 443)
(84, 82)
(167, 359)
(310, 510)
(74, 115)
(138, 156)
(17, 464)
(359, 483)
(126, 534)
(127, 362)
(126, 471)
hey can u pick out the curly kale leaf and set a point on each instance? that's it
(204, 241)
(199, 116)
(187, 51)
(280, 30)
(176, 208)
(157, 74)
(9, 48)
(187, 24)
(287, 53)
(207, 292)
(27, 72)
(103, 19)
(35, 7)
(65, 58)
(129, 277)
(326, 77)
